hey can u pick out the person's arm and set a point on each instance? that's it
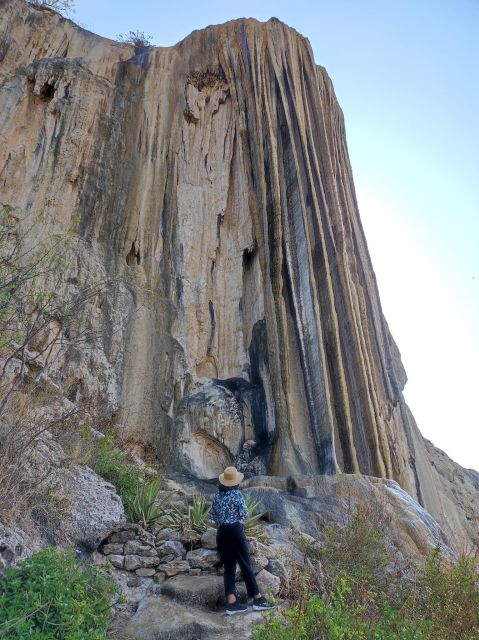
(214, 515)
(242, 509)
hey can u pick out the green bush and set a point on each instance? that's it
(196, 516)
(137, 492)
(319, 618)
(110, 463)
(51, 595)
(142, 505)
(355, 597)
(448, 598)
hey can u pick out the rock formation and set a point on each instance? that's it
(242, 321)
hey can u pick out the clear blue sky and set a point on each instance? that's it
(406, 73)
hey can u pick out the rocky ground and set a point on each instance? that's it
(170, 579)
(172, 584)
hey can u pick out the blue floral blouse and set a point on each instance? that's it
(229, 507)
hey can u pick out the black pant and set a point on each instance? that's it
(233, 549)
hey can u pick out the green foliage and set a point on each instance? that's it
(137, 492)
(358, 599)
(51, 595)
(110, 462)
(319, 619)
(142, 505)
(195, 517)
(449, 598)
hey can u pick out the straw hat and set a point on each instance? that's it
(230, 477)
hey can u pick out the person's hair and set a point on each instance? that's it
(222, 487)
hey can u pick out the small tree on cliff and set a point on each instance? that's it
(137, 38)
(62, 6)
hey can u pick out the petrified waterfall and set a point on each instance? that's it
(242, 322)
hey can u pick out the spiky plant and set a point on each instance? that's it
(142, 505)
(251, 524)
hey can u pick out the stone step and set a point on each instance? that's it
(197, 591)
(207, 591)
(161, 618)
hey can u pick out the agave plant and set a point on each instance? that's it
(251, 523)
(195, 517)
(141, 504)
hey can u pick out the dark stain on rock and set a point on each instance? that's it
(133, 256)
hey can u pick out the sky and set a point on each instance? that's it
(406, 73)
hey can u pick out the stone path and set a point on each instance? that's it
(188, 608)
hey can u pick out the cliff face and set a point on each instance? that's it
(242, 321)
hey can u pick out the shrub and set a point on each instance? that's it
(142, 506)
(110, 462)
(195, 517)
(359, 549)
(448, 598)
(137, 38)
(137, 492)
(62, 6)
(51, 595)
(41, 322)
(316, 618)
(344, 592)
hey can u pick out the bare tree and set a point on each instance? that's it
(62, 6)
(137, 38)
(41, 319)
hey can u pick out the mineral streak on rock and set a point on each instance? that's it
(215, 192)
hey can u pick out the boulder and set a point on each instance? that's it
(203, 558)
(163, 619)
(208, 539)
(131, 531)
(259, 548)
(168, 558)
(259, 563)
(117, 561)
(190, 539)
(206, 591)
(277, 568)
(90, 506)
(159, 577)
(268, 583)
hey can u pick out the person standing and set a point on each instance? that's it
(228, 512)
